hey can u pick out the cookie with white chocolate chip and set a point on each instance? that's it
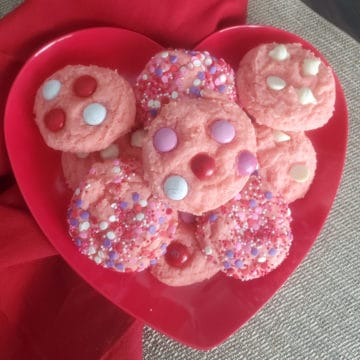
(286, 87)
(287, 161)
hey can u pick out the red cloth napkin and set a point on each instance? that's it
(46, 310)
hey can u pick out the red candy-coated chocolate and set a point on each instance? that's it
(203, 166)
(177, 254)
(55, 119)
(84, 86)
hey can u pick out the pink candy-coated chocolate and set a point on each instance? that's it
(222, 131)
(165, 139)
(246, 163)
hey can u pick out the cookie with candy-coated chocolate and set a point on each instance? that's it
(287, 161)
(116, 222)
(84, 108)
(176, 73)
(286, 87)
(184, 263)
(198, 153)
(76, 166)
(250, 235)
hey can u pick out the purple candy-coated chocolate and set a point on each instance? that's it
(252, 203)
(227, 265)
(272, 252)
(152, 229)
(135, 197)
(268, 195)
(165, 140)
(222, 131)
(229, 254)
(246, 163)
(213, 217)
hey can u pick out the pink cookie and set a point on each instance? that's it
(184, 263)
(286, 87)
(173, 74)
(198, 153)
(84, 108)
(287, 162)
(250, 235)
(116, 222)
(77, 165)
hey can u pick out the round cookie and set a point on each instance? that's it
(286, 87)
(250, 235)
(173, 74)
(76, 166)
(198, 153)
(287, 161)
(84, 108)
(116, 222)
(184, 263)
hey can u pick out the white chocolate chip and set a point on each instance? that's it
(311, 66)
(300, 172)
(137, 138)
(111, 152)
(280, 136)
(279, 53)
(306, 96)
(275, 83)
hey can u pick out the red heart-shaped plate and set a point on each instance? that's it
(204, 314)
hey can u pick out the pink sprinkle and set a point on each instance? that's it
(83, 235)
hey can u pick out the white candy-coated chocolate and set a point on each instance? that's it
(311, 66)
(279, 53)
(306, 96)
(275, 83)
(137, 138)
(175, 187)
(280, 136)
(111, 152)
(299, 172)
(51, 89)
(94, 114)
